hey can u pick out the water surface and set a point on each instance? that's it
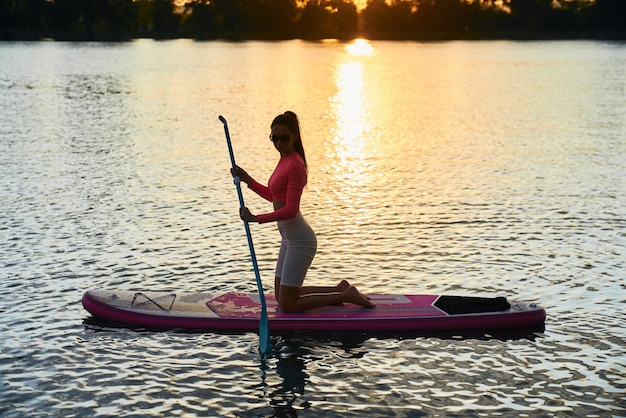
(475, 168)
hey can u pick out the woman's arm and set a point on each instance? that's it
(253, 185)
(296, 179)
(261, 190)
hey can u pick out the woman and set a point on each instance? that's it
(299, 243)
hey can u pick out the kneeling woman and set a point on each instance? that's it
(299, 243)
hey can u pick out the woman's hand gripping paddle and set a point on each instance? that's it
(265, 344)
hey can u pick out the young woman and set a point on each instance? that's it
(299, 243)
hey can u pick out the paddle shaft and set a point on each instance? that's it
(264, 334)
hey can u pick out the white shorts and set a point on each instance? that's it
(297, 249)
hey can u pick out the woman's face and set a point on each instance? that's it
(283, 139)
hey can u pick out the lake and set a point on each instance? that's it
(489, 168)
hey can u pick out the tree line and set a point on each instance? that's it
(282, 19)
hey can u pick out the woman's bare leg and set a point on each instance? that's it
(341, 287)
(277, 288)
(292, 301)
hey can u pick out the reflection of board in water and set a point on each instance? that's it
(240, 311)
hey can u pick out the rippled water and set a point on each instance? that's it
(477, 168)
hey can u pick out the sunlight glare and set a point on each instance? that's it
(360, 47)
(348, 105)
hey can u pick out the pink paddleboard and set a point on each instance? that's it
(241, 311)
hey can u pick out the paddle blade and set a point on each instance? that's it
(265, 345)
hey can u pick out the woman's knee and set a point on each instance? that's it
(288, 297)
(277, 288)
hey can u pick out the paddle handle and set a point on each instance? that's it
(264, 335)
(236, 179)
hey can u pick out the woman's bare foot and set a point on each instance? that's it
(354, 296)
(343, 286)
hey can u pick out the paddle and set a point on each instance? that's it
(265, 344)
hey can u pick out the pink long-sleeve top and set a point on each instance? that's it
(285, 185)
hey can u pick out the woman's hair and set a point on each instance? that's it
(290, 120)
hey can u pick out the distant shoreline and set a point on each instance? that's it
(7, 35)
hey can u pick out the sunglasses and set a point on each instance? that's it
(281, 138)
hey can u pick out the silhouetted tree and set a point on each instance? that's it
(122, 15)
(231, 15)
(31, 14)
(487, 15)
(345, 16)
(200, 16)
(442, 15)
(7, 15)
(163, 16)
(324, 17)
(608, 15)
(530, 14)
(67, 16)
(314, 17)
(329, 16)
(272, 15)
(144, 15)
(381, 16)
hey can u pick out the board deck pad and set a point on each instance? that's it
(236, 305)
(241, 311)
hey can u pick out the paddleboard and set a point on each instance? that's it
(240, 312)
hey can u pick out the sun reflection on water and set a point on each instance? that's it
(349, 107)
(350, 114)
(350, 154)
